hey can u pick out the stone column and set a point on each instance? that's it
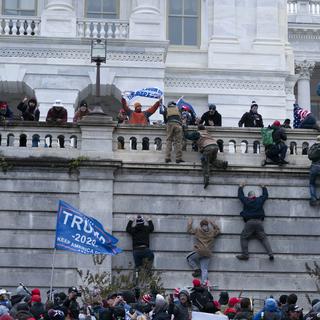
(59, 19)
(304, 70)
(147, 20)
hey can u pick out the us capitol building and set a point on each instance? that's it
(226, 52)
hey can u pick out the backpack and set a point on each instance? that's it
(314, 152)
(266, 134)
(201, 299)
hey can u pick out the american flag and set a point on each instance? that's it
(296, 116)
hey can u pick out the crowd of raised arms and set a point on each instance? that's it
(182, 304)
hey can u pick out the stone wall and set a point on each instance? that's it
(114, 184)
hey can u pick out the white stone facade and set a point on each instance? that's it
(246, 51)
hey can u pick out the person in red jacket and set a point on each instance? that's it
(137, 116)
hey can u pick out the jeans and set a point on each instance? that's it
(314, 173)
(209, 157)
(197, 262)
(255, 228)
(140, 254)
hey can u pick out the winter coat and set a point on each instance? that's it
(54, 115)
(37, 309)
(180, 311)
(251, 119)
(252, 208)
(270, 311)
(201, 297)
(204, 239)
(278, 134)
(140, 234)
(244, 314)
(29, 113)
(215, 118)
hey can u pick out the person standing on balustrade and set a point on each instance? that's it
(252, 118)
(211, 117)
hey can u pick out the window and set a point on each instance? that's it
(184, 22)
(106, 9)
(19, 7)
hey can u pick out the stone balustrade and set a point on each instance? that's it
(106, 29)
(313, 7)
(19, 26)
(147, 144)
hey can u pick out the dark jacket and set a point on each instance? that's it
(73, 308)
(278, 134)
(251, 119)
(57, 115)
(29, 113)
(215, 118)
(201, 298)
(180, 311)
(37, 309)
(140, 233)
(252, 208)
(243, 314)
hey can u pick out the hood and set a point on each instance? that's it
(270, 305)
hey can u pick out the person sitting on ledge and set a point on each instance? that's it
(137, 116)
(29, 109)
(253, 215)
(57, 114)
(252, 118)
(82, 111)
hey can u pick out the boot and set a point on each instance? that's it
(196, 273)
(242, 256)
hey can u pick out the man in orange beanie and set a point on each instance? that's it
(138, 116)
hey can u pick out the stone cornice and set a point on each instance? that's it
(81, 54)
(171, 82)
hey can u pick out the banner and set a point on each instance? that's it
(153, 93)
(79, 233)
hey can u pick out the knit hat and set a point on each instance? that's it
(253, 104)
(171, 104)
(83, 103)
(3, 105)
(6, 317)
(204, 222)
(217, 304)
(233, 301)
(185, 292)
(139, 220)
(212, 106)
(270, 304)
(224, 298)
(196, 282)
(35, 298)
(137, 105)
(146, 298)
(36, 291)
(159, 299)
(276, 123)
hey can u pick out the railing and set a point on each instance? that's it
(147, 143)
(40, 136)
(19, 26)
(292, 7)
(106, 29)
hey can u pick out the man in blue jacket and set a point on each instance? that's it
(253, 215)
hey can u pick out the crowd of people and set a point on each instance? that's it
(182, 304)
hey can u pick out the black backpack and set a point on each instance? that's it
(314, 152)
(201, 299)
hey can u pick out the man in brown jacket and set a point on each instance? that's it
(207, 145)
(204, 236)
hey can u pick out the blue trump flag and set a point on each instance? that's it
(184, 105)
(153, 93)
(79, 233)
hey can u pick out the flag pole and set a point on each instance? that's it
(52, 271)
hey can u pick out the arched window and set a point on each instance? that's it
(305, 148)
(61, 141)
(120, 143)
(220, 145)
(157, 143)
(232, 146)
(244, 146)
(10, 140)
(145, 143)
(35, 140)
(23, 140)
(74, 142)
(256, 146)
(48, 141)
(133, 143)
